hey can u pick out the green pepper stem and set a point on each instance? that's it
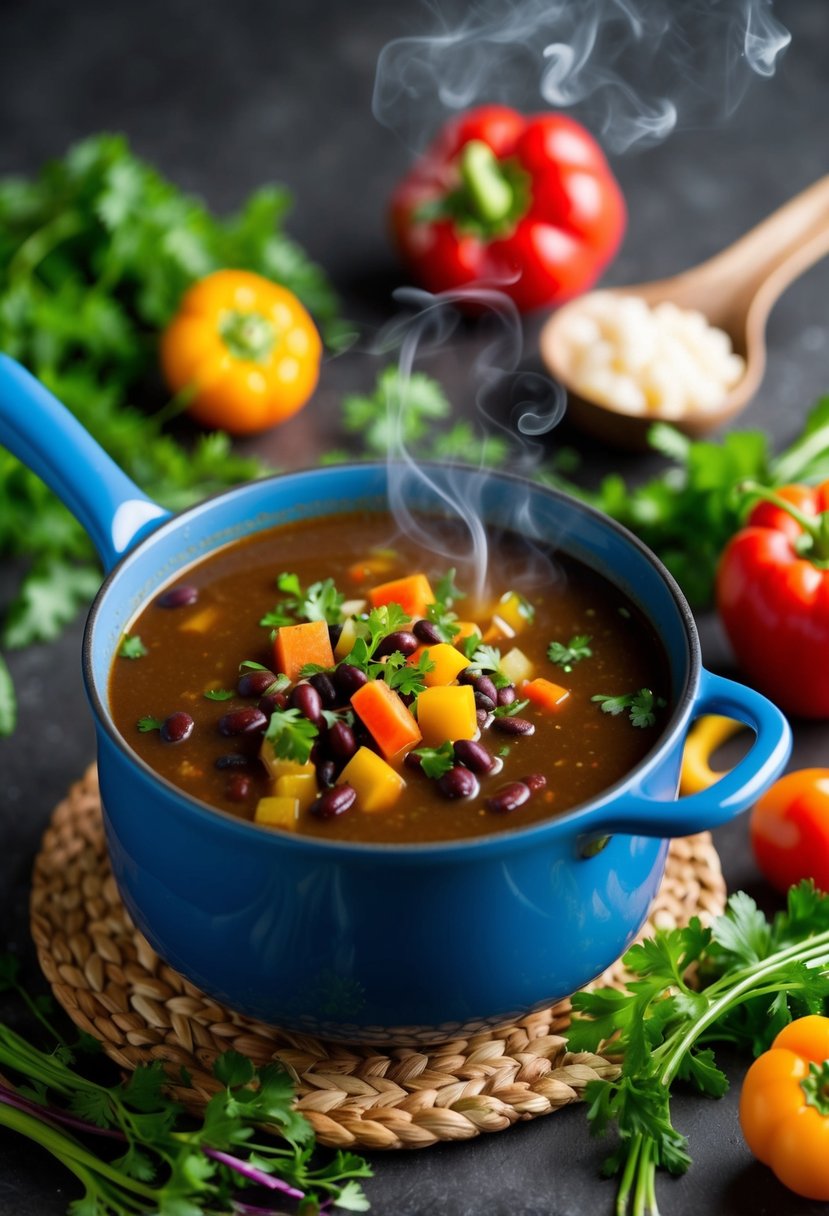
(489, 192)
(247, 335)
(816, 1087)
(815, 527)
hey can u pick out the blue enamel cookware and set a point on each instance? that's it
(372, 942)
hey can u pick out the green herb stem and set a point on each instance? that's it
(40, 243)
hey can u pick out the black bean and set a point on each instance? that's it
(242, 721)
(426, 632)
(336, 801)
(459, 782)
(177, 728)
(254, 683)
(513, 726)
(400, 640)
(326, 773)
(535, 782)
(507, 695)
(482, 701)
(307, 700)
(474, 755)
(273, 700)
(509, 797)
(341, 741)
(232, 760)
(486, 686)
(325, 687)
(348, 679)
(238, 787)
(469, 675)
(178, 597)
(413, 761)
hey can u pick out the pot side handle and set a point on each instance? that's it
(49, 440)
(640, 815)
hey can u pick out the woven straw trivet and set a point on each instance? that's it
(114, 986)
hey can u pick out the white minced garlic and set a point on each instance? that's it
(663, 360)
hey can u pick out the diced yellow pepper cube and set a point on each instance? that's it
(302, 786)
(377, 784)
(515, 610)
(448, 663)
(346, 640)
(516, 666)
(201, 621)
(498, 629)
(277, 812)
(447, 713)
(277, 766)
(465, 630)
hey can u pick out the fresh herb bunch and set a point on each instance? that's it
(753, 977)
(161, 1162)
(94, 256)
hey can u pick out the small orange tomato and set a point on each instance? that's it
(790, 829)
(245, 348)
(784, 1107)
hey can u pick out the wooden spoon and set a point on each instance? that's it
(735, 290)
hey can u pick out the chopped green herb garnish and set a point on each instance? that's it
(435, 761)
(503, 751)
(290, 584)
(641, 706)
(444, 621)
(507, 711)
(487, 659)
(406, 678)
(313, 669)
(624, 612)
(470, 644)
(251, 665)
(379, 623)
(577, 648)
(321, 602)
(447, 590)
(291, 735)
(132, 647)
(219, 694)
(332, 716)
(277, 617)
(145, 725)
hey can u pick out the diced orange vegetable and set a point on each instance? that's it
(465, 630)
(514, 609)
(498, 629)
(516, 666)
(277, 766)
(200, 622)
(382, 712)
(377, 784)
(302, 786)
(297, 645)
(448, 663)
(447, 713)
(545, 693)
(412, 593)
(278, 812)
(370, 567)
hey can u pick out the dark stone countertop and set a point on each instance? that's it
(224, 97)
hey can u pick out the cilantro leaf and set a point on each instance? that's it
(132, 647)
(399, 674)
(447, 591)
(49, 598)
(507, 711)
(435, 761)
(147, 724)
(219, 694)
(291, 735)
(641, 706)
(577, 648)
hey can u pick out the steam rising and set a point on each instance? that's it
(633, 70)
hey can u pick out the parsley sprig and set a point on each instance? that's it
(566, 657)
(641, 706)
(379, 623)
(321, 602)
(291, 735)
(758, 976)
(435, 761)
(485, 659)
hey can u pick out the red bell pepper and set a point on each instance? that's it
(773, 597)
(525, 204)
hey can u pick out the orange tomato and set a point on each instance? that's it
(784, 1107)
(247, 350)
(790, 829)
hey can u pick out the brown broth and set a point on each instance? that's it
(579, 749)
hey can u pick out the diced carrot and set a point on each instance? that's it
(465, 630)
(412, 593)
(382, 712)
(545, 693)
(447, 713)
(297, 645)
(377, 784)
(448, 663)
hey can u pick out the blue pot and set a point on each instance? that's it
(372, 942)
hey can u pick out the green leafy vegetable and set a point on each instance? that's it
(577, 648)
(321, 602)
(145, 725)
(219, 694)
(404, 677)
(447, 591)
(379, 623)
(507, 711)
(132, 648)
(640, 705)
(486, 659)
(8, 701)
(291, 735)
(435, 761)
(757, 976)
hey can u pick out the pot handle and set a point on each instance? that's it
(49, 440)
(640, 815)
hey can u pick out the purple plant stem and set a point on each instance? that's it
(253, 1174)
(49, 1115)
